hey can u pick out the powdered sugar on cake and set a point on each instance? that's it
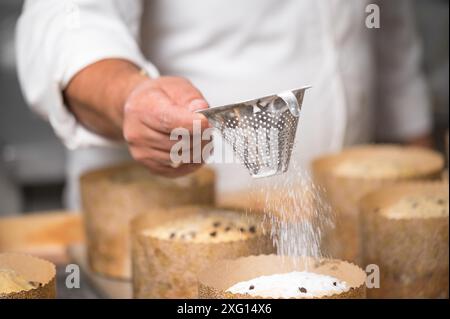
(376, 167)
(297, 284)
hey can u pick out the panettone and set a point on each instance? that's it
(272, 276)
(405, 232)
(170, 247)
(112, 196)
(347, 176)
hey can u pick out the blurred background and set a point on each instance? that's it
(32, 160)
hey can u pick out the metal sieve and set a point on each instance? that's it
(260, 131)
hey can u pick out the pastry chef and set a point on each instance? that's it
(114, 77)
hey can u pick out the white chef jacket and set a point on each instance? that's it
(366, 82)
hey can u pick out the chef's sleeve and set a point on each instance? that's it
(55, 39)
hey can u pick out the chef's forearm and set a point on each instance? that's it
(96, 95)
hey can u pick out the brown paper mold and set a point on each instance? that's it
(348, 176)
(170, 247)
(216, 279)
(111, 197)
(405, 232)
(36, 276)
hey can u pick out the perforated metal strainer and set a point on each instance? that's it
(260, 131)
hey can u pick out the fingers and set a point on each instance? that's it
(153, 112)
(174, 118)
(141, 152)
(168, 103)
(160, 113)
(138, 134)
(183, 93)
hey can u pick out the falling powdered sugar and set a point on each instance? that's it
(296, 212)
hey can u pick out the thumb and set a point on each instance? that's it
(197, 104)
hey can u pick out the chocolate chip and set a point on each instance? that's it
(216, 224)
(35, 284)
(213, 234)
(302, 290)
(172, 236)
(440, 201)
(251, 287)
(228, 228)
(252, 229)
(242, 230)
(335, 283)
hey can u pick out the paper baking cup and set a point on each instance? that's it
(111, 197)
(344, 193)
(32, 269)
(220, 276)
(168, 268)
(412, 253)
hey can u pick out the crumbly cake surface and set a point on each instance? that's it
(11, 282)
(297, 284)
(208, 227)
(378, 167)
(419, 206)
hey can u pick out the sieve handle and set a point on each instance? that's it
(291, 101)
